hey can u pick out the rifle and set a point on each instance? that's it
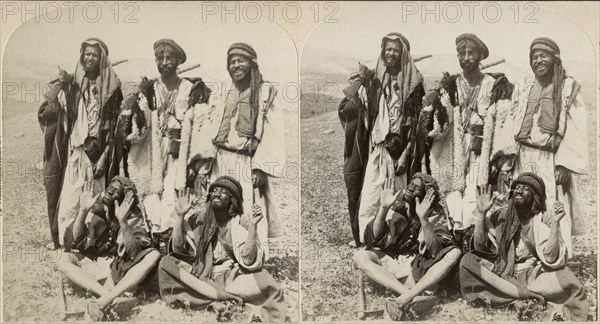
(189, 68)
(119, 62)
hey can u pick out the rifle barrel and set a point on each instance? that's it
(189, 68)
(119, 62)
(417, 59)
(489, 65)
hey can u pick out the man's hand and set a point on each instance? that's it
(400, 166)
(387, 197)
(423, 208)
(485, 199)
(259, 180)
(87, 198)
(559, 212)
(562, 175)
(183, 201)
(122, 209)
(256, 215)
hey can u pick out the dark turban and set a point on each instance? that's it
(127, 184)
(546, 44)
(242, 49)
(160, 44)
(479, 44)
(234, 188)
(428, 181)
(536, 184)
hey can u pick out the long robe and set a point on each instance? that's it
(533, 277)
(269, 158)
(459, 169)
(219, 277)
(572, 153)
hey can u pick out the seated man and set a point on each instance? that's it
(215, 254)
(111, 226)
(411, 242)
(517, 256)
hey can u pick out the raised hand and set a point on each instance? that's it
(559, 211)
(183, 201)
(485, 199)
(122, 209)
(256, 215)
(387, 197)
(87, 198)
(423, 208)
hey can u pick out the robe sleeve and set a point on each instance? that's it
(541, 235)
(242, 249)
(573, 150)
(270, 154)
(139, 239)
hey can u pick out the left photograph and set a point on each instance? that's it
(150, 171)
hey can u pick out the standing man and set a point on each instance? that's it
(465, 111)
(79, 118)
(551, 128)
(158, 162)
(251, 141)
(517, 256)
(381, 119)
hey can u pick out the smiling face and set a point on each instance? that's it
(416, 188)
(114, 192)
(239, 67)
(468, 57)
(220, 198)
(91, 58)
(166, 61)
(542, 63)
(522, 196)
(391, 53)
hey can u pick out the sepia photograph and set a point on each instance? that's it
(449, 165)
(150, 165)
(299, 161)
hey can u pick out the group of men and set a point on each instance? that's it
(166, 181)
(477, 176)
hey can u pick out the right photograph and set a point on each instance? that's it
(449, 166)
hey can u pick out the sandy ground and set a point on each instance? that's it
(30, 284)
(329, 281)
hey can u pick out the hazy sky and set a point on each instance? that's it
(358, 33)
(204, 43)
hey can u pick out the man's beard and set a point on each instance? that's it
(167, 69)
(468, 66)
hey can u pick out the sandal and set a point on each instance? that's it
(94, 311)
(394, 309)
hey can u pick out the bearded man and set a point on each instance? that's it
(111, 226)
(164, 107)
(215, 253)
(250, 140)
(409, 246)
(464, 121)
(516, 256)
(380, 122)
(551, 128)
(79, 117)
